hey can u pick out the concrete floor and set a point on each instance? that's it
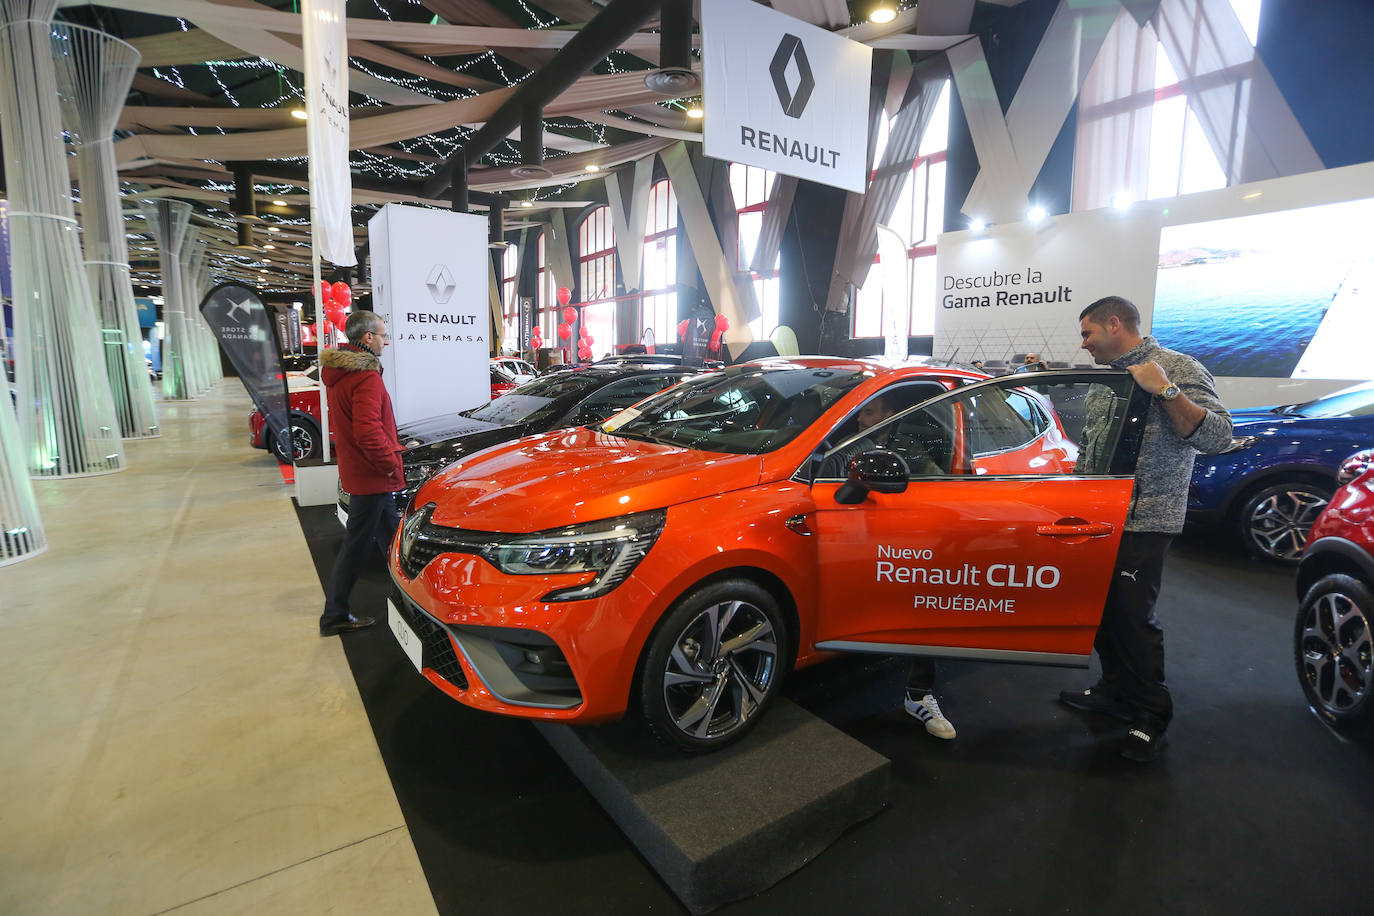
(176, 737)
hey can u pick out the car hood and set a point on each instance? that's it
(453, 447)
(434, 429)
(577, 475)
(1257, 415)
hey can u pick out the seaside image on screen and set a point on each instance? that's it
(1274, 295)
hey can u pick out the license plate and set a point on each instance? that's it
(343, 516)
(404, 634)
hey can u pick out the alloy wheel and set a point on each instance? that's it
(720, 669)
(1278, 524)
(1336, 652)
(302, 442)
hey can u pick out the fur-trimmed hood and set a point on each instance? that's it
(348, 359)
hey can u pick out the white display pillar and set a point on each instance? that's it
(66, 416)
(167, 221)
(94, 73)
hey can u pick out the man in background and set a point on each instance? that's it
(369, 451)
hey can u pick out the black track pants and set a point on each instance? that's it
(1130, 640)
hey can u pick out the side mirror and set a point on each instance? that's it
(878, 471)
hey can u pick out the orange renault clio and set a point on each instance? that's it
(680, 557)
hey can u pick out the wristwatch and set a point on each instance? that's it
(1168, 393)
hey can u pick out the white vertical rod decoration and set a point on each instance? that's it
(66, 416)
(94, 73)
(167, 220)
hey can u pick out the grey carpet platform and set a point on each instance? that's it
(724, 826)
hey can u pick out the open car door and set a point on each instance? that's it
(985, 524)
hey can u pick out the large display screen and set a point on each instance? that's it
(1288, 294)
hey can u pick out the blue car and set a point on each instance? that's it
(1280, 471)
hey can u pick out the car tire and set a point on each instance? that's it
(1333, 647)
(1273, 522)
(305, 442)
(713, 665)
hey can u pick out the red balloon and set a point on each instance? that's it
(588, 340)
(564, 332)
(584, 352)
(536, 342)
(564, 296)
(342, 294)
(682, 329)
(326, 292)
(722, 323)
(338, 315)
(715, 341)
(570, 315)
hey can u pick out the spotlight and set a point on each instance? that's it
(977, 225)
(1036, 214)
(527, 203)
(298, 113)
(882, 15)
(1121, 201)
(269, 245)
(273, 229)
(695, 113)
(279, 203)
(593, 167)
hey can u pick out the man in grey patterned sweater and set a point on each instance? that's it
(1185, 418)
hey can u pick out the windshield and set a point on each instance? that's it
(542, 399)
(743, 411)
(1349, 402)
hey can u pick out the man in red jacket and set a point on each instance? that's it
(370, 469)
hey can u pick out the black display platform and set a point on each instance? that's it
(725, 826)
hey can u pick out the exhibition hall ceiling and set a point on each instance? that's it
(219, 81)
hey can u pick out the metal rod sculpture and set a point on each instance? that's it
(66, 416)
(167, 221)
(21, 531)
(195, 374)
(94, 73)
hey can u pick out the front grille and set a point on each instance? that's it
(422, 541)
(414, 560)
(437, 652)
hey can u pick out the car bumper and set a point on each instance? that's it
(516, 655)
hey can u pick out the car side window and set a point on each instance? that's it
(908, 439)
(1078, 426)
(616, 396)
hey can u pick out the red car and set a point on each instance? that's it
(680, 557)
(1332, 639)
(304, 405)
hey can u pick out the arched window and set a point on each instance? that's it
(596, 278)
(919, 216)
(546, 295)
(749, 185)
(658, 277)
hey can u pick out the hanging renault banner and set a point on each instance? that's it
(784, 95)
(246, 329)
(326, 125)
(428, 270)
(1017, 289)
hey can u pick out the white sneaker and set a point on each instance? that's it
(927, 709)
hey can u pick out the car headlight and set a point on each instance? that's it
(1354, 466)
(1239, 444)
(611, 549)
(417, 474)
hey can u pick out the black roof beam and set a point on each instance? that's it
(598, 38)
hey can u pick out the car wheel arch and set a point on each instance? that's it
(1270, 476)
(765, 579)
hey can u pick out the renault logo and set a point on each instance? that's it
(791, 49)
(440, 283)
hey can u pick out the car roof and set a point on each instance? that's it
(912, 366)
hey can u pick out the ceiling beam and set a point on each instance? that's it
(605, 33)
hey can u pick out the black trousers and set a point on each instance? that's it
(372, 519)
(920, 678)
(1130, 639)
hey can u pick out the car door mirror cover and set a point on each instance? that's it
(877, 470)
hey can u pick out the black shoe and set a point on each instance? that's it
(1097, 700)
(334, 627)
(1144, 741)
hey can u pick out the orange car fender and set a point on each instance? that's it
(740, 530)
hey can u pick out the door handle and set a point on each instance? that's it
(1075, 528)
